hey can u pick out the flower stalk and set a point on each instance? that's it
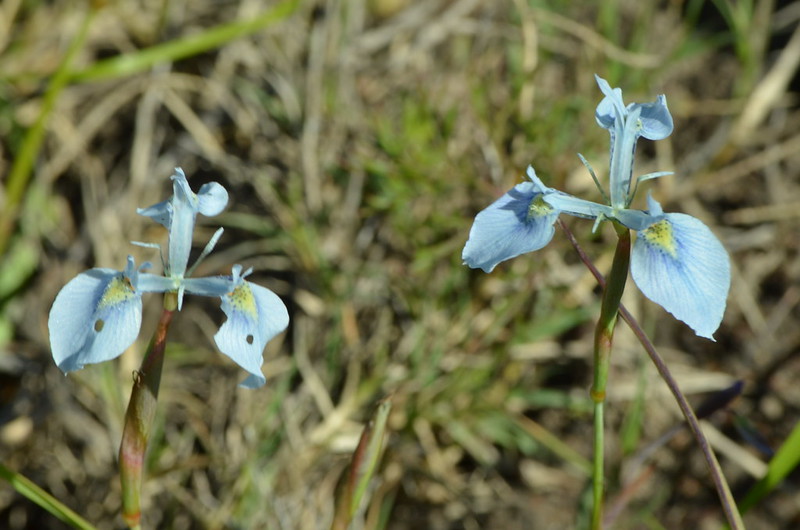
(139, 416)
(603, 340)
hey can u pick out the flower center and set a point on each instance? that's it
(538, 208)
(118, 290)
(660, 235)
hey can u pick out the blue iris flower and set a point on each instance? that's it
(676, 261)
(97, 315)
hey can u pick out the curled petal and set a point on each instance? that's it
(678, 263)
(255, 315)
(212, 199)
(656, 121)
(518, 222)
(95, 317)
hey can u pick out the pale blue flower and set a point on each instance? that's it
(676, 261)
(97, 315)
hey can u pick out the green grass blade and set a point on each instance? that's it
(132, 63)
(785, 460)
(37, 495)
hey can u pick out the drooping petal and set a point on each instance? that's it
(95, 317)
(518, 222)
(254, 316)
(656, 121)
(212, 199)
(678, 263)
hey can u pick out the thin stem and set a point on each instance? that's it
(603, 339)
(139, 417)
(723, 490)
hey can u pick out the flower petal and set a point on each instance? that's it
(518, 222)
(567, 203)
(212, 198)
(255, 315)
(634, 219)
(160, 213)
(95, 317)
(611, 108)
(678, 263)
(184, 212)
(656, 121)
(209, 286)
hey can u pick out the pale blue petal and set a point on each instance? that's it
(516, 223)
(153, 283)
(566, 203)
(95, 317)
(623, 147)
(656, 121)
(634, 219)
(160, 213)
(538, 185)
(611, 110)
(254, 316)
(215, 286)
(212, 199)
(184, 212)
(679, 264)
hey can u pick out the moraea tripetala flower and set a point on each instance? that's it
(676, 261)
(97, 315)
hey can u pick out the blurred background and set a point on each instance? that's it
(357, 140)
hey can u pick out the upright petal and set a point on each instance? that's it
(95, 317)
(611, 110)
(184, 212)
(179, 214)
(678, 263)
(518, 222)
(255, 315)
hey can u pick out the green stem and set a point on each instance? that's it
(603, 339)
(723, 490)
(139, 417)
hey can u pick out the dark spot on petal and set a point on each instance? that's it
(250, 339)
(98, 325)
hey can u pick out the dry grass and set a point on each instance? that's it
(357, 140)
